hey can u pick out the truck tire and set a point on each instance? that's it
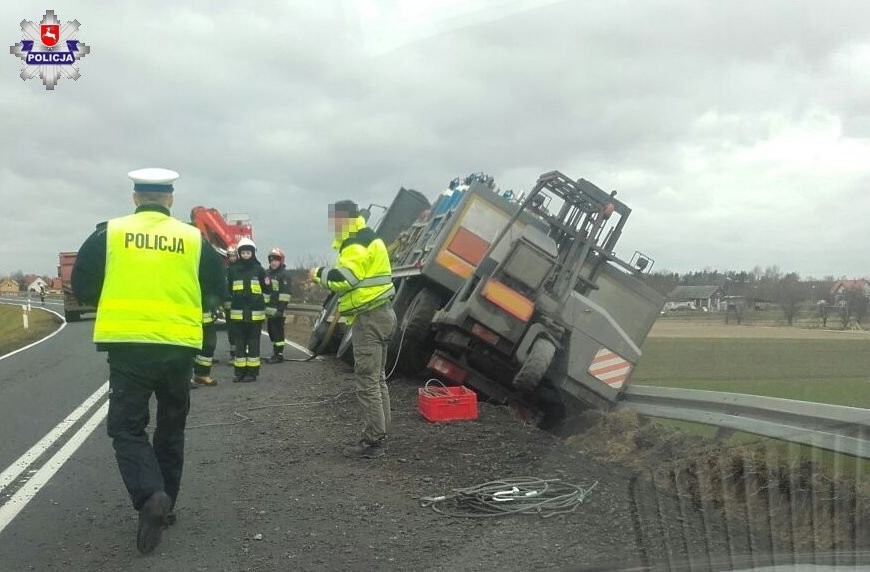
(345, 347)
(325, 336)
(413, 333)
(72, 316)
(536, 365)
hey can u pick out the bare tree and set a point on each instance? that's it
(790, 292)
(662, 281)
(856, 305)
(18, 276)
(307, 261)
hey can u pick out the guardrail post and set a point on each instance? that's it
(24, 316)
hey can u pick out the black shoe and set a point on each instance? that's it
(171, 518)
(277, 358)
(238, 378)
(193, 385)
(364, 450)
(152, 520)
(249, 378)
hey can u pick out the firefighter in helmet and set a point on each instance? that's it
(276, 303)
(248, 283)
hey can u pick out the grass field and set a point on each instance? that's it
(810, 365)
(793, 363)
(12, 332)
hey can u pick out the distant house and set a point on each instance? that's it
(56, 284)
(840, 287)
(8, 286)
(694, 297)
(37, 284)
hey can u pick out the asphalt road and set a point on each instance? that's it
(84, 506)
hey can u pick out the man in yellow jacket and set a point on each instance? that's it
(362, 277)
(150, 276)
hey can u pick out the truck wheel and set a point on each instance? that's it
(414, 333)
(536, 365)
(72, 316)
(325, 336)
(345, 347)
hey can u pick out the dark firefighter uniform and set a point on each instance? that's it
(204, 360)
(148, 275)
(276, 303)
(362, 277)
(247, 285)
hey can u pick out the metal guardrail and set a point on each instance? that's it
(831, 427)
(303, 309)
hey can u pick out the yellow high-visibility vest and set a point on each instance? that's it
(363, 276)
(151, 291)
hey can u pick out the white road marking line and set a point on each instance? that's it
(26, 493)
(37, 342)
(301, 348)
(294, 345)
(15, 469)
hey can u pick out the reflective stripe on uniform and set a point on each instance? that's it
(203, 360)
(349, 276)
(371, 305)
(236, 314)
(375, 281)
(283, 297)
(257, 315)
(118, 330)
(256, 288)
(207, 318)
(253, 362)
(238, 285)
(150, 306)
(240, 362)
(280, 344)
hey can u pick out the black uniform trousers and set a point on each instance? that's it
(275, 327)
(205, 358)
(135, 372)
(247, 337)
(231, 336)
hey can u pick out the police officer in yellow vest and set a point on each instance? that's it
(149, 274)
(363, 279)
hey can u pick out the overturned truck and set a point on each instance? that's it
(524, 299)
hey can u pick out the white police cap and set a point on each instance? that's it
(153, 180)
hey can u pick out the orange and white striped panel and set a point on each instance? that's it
(610, 368)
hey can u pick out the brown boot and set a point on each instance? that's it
(206, 380)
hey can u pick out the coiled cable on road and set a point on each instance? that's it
(520, 495)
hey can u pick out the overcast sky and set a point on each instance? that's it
(739, 132)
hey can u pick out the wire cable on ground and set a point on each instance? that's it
(298, 403)
(519, 495)
(246, 419)
(242, 419)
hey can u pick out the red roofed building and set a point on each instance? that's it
(859, 285)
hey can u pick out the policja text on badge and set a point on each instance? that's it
(144, 241)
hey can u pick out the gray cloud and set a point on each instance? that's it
(735, 130)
